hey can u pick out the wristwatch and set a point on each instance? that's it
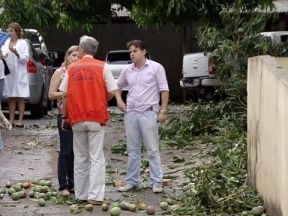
(64, 117)
(162, 111)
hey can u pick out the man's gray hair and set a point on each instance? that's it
(89, 44)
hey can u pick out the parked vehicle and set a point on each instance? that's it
(117, 60)
(36, 39)
(39, 69)
(277, 36)
(39, 44)
(198, 75)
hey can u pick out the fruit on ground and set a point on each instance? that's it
(259, 210)
(18, 195)
(124, 205)
(26, 184)
(54, 193)
(164, 205)
(89, 207)
(115, 211)
(37, 189)
(150, 210)
(15, 196)
(31, 194)
(170, 201)
(74, 208)
(2, 190)
(104, 207)
(42, 182)
(23, 194)
(17, 187)
(132, 207)
(174, 207)
(11, 191)
(41, 202)
(44, 189)
(8, 184)
(48, 183)
(115, 204)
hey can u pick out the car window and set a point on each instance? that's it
(116, 57)
(35, 38)
(120, 57)
(284, 38)
(35, 54)
(32, 37)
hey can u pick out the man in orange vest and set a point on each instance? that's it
(87, 86)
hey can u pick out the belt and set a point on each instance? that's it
(149, 109)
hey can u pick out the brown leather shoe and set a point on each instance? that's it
(65, 193)
(94, 202)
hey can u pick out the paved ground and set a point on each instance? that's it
(30, 154)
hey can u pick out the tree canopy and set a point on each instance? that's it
(71, 14)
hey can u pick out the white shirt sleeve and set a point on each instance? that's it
(109, 79)
(64, 84)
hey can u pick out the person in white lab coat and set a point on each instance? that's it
(16, 53)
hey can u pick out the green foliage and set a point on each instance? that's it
(219, 185)
(232, 41)
(180, 12)
(200, 119)
(29, 13)
(71, 14)
(75, 14)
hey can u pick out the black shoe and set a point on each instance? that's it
(71, 190)
(80, 201)
(19, 125)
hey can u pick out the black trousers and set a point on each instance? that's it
(66, 158)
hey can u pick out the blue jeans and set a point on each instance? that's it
(142, 126)
(66, 158)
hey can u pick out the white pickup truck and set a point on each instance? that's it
(117, 60)
(198, 75)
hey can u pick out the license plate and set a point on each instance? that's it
(196, 82)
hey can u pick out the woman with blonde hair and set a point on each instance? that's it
(66, 156)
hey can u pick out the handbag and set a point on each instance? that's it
(6, 68)
(31, 67)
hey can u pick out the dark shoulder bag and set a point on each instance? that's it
(6, 69)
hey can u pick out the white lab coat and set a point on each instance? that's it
(16, 83)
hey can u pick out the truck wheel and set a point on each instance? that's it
(190, 94)
(184, 95)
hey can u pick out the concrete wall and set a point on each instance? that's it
(165, 45)
(268, 131)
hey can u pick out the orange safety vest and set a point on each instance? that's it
(87, 94)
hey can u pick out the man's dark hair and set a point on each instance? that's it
(137, 43)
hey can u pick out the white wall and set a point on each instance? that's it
(268, 131)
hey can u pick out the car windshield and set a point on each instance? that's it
(118, 57)
(32, 37)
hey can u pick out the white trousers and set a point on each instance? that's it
(89, 161)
